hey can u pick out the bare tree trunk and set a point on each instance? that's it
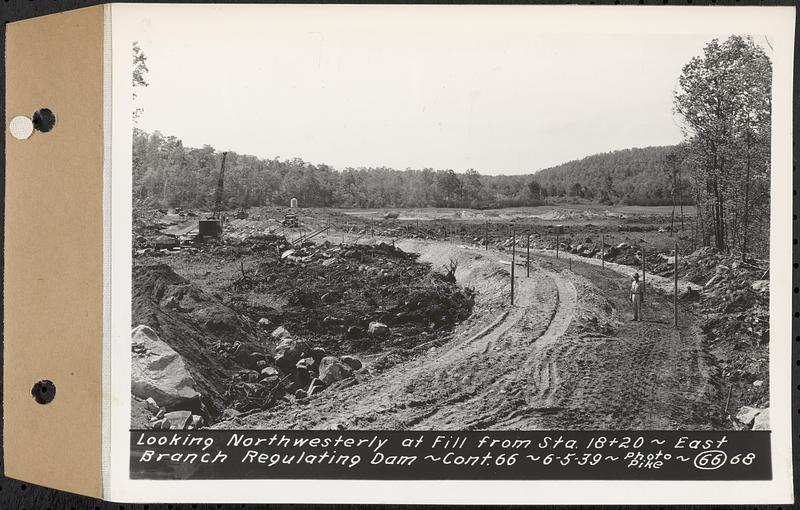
(746, 218)
(680, 190)
(164, 191)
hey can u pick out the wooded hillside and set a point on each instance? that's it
(629, 176)
(165, 173)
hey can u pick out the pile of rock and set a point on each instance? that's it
(297, 368)
(753, 418)
(358, 297)
(734, 301)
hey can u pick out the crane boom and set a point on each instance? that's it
(220, 185)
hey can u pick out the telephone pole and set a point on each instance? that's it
(528, 258)
(675, 291)
(513, 259)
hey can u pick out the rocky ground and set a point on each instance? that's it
(384, 324)
(297, 320)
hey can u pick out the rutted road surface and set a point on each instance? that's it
(564, 357)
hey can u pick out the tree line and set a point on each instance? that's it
(623, 177)
(167, 174)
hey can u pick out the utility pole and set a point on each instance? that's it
(556, 245)
(486, 236)
(513, 260)
(675, 293)
(644, 274)
(528, 258)
(602, 250)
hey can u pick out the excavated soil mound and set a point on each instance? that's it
(213, 340)
(332, 294)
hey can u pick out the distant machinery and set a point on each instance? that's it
(212, 226)
(291, 220)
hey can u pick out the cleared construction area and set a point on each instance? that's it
(403, 321)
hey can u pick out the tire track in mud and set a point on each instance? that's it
(565, 312)
(505, 397)
(546, 363)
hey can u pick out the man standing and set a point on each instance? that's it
(636, 297)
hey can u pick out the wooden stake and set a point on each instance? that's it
(528, 259)
(728, 399)
(644, 274)
(513, 260)
(486, 236)
(675, 296)
(603, 250)
(556, 245)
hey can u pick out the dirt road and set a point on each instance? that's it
(565, 356)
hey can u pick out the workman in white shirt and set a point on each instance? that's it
(637, 288)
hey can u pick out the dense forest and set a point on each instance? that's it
(165, 173)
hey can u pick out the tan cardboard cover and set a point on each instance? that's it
(54, 252)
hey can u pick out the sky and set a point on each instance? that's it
(404, 89)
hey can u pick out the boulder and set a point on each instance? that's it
(264, 322)
(760, 286)
(196, 422)
(332, 369)
(270, 381)
(287, 354)
(216, 318)
(354, 332)
(352, 362)
(761, 421)
(300, 393)
(747, 415)
(378, 329)
(689, 294)
(317, 353)
(178, 419)
(270, 372)
(158, 372)
(306, 363)
(161, 425)
(151, 405)
(302, 377)
(280, 333)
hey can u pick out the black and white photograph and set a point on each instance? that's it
(376, 220)
(341, 255)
